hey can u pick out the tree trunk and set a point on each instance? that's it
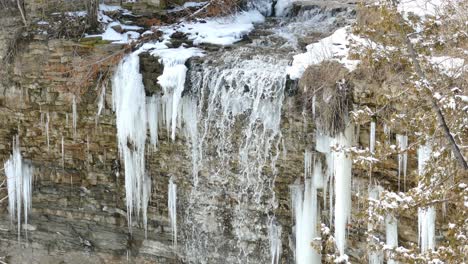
(92, 9)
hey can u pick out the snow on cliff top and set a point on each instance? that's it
(335, 47)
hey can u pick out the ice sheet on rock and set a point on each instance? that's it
(221, 31)
(19, 175)
(334, 47)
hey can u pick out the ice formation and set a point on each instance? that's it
(152, 112)
(19, 184)
(172, 207)
(372, 137)
(221, 31)
(375, 257)
(129, 104)
(74, 115)
(47, 130)
(306, 215)
(402, 143)
(391, 234)
(342, 172)
(283, 7)
(173, 80)
(427, 215)
(274, 233)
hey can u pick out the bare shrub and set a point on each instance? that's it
(327, 94)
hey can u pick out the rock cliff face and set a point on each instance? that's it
(79, 212)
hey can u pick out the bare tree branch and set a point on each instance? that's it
(440, 117)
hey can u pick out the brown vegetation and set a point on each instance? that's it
(325, 89)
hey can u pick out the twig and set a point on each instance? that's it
(3, 199)
(18, 2)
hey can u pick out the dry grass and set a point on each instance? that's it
(325, 86)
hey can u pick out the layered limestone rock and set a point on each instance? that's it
(79, 211)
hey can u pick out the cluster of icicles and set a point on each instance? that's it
(19, 176)
(136, 114)
(306, 209)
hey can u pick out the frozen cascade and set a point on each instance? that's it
(375, 257)
(402, 143)
(243, 97)
(426, 216)
(129, 104)
(391, 231)
(342, 173)
(305, 210)
(172, 207)
(74, 115)
(372, 137)
(19, 176)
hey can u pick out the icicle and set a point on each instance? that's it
(387, 132)
(305, 212)
(372, 137)
(274, 233)
(313, 105)
(342, 171)
(172, 207)
(391, 231)
(305, 208)
(19, 185)
(47, 131)
(173, 80)
(402, 143)
(375, 257)
(152, 112)
(426, 216)
(101, 101)
(145, 200)
(129, 104)
(318, 179)
(63, 154)
(74, 116)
